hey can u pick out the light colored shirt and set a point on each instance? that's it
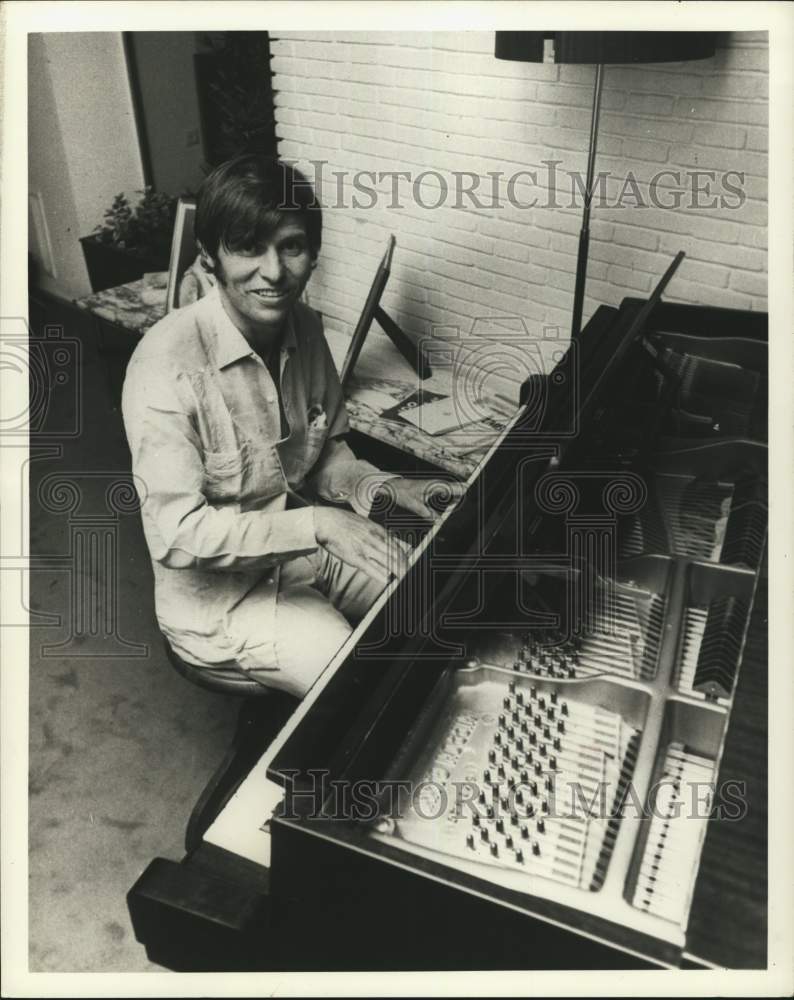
(225, 500)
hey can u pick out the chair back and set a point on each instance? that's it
(183, 249)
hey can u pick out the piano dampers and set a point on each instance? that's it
(619, 633)
(699, 519)
(711, 647)
(746, 528)
(675, 837)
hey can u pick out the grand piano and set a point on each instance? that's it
(546, 746)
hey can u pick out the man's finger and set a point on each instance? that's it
(388, 554)
(375, 567)
(392, 553)
(399, 559)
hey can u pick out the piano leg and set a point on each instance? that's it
(208, 913)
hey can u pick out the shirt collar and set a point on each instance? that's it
(231, 345)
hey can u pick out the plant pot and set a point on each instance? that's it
(109, 265)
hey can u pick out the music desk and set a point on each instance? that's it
(383, 379)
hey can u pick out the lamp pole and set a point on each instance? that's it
(584, 234)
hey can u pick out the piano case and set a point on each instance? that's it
(548, 748)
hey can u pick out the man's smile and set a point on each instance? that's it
(271, 294)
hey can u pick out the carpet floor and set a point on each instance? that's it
(120, 745)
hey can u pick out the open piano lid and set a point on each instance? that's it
(570, 397)
(338, 719)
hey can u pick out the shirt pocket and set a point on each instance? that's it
(315, 442)
(223, 476)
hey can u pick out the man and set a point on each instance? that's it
(235, 419)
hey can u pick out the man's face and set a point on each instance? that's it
(260, 287)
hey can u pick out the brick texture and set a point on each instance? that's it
(437, 104)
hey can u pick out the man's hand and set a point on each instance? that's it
(360, 543)
(426, 497)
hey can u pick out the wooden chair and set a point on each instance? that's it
(184, 249)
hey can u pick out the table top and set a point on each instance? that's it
(382, 379)
(125, 307)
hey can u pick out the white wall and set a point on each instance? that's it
(387, 101)
(48, 175)
(82, 142)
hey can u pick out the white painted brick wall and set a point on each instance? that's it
(440, 101)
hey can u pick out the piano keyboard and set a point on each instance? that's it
(675, 837)
(548, 770)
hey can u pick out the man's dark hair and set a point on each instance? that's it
(242, 201)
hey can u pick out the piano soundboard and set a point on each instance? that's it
(593, 791)
(513, 772)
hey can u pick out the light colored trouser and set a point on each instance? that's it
(319, 598)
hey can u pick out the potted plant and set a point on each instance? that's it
(234, 86)
(131, 241)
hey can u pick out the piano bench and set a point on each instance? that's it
(262, 714)
(225, 681)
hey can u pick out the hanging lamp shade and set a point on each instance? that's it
(605, 47)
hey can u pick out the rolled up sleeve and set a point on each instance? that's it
(183, 530)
